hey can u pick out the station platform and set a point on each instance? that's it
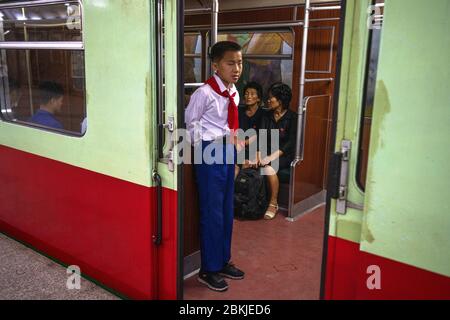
(28, 275)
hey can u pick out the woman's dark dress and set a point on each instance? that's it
(287, 126)
(246, 123)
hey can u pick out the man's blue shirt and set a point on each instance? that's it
(45, 118)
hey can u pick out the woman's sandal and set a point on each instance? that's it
(269, 215)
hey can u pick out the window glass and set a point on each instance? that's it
(192, 58)
(42, 86)
(268, 57)
(369, 95)
(35, 81)
(57, 22)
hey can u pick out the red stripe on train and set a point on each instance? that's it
(102, 224)
(347, 275)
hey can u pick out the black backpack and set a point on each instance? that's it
(250, 195)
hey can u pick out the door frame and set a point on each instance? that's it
(333, 146)
(180, 167)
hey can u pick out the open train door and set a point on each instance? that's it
(389, 229)
(166, 172)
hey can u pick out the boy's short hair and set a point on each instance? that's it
(220, 48)
(50, 90)
(256, 86)
(283, 93)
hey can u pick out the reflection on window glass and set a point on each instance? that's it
(43, 87)
(35, 85)
(268, 57)
(58, 22)
(192, 60)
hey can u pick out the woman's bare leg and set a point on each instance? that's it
(274, 185)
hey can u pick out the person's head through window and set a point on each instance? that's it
(52, 97)
(226, 57)
(51, 101)
(252, 95)
(280, 97)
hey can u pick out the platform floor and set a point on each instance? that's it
(27, 275)
(282, 261)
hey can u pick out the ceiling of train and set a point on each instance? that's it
(226, 5)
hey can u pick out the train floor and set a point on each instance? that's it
(27, 275)
(282, 261)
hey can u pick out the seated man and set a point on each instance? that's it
(52, 95)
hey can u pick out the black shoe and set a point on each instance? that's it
(230, 271)
(213, 280)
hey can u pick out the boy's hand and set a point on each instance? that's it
(240, 145)
(253, 164)
(266, 161)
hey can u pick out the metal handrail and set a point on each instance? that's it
(43, 45)
(319, 80)
(193, 85)
(248, 26)
(200, 10)
(325, 8)
(32, 3)
(300, 113)
(157, 238)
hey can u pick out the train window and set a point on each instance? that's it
(369, 94)
(268, 56)
(42, 67)
(192, 58)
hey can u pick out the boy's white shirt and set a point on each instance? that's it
(206, 116)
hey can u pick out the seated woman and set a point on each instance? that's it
(250, 118)
(280, 118)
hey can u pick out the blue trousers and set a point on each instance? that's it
(216, 189)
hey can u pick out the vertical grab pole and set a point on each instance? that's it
(214, 21)
(28, 62)
(5, 103)
(300, 111)
(213, 35)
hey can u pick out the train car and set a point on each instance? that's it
(389, 224)
(99, 184)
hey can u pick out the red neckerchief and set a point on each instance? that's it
(233, 114)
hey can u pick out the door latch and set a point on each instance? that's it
(169, 157)
(338, 179)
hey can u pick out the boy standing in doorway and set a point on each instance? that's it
(212, 118)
